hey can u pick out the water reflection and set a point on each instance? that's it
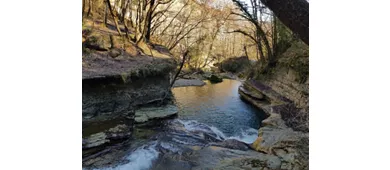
(218, 105)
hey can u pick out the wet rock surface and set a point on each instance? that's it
(145, 114)
(119, 132)
(233, 144)
(103, 144)
(189, 145)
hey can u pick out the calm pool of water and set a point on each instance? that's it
(218, 105)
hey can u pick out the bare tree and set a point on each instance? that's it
(83, 7)
(260, 36)
(114, 17)
(89, 8)
(105, 14)
(181, 67)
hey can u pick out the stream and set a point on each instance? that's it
(208, 116)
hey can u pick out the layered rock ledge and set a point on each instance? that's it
(113, 89)
(276, 136)
(150, 114)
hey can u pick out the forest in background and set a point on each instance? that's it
(210, 30)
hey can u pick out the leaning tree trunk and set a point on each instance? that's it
(83, 8)
(292, 13)
(181, 67)
(105, 15)
(114, 17)
(90, 8)
(149, 20)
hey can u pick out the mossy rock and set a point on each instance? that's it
(114, 52)
(97, 43)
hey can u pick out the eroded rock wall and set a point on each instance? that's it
(282, 92)
(290, 75)
(115, 97)
(285, 81)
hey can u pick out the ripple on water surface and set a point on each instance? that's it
(218, 105)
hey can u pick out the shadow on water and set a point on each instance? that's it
(218, 105)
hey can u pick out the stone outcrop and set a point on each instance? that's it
(275, 137)
(282, 92)
(251, 93)
(290, 76)
(116, 83)
(111, 97)
(106, 137)
(291, 147)
(146, 114)
(115, 98)
(203, 149)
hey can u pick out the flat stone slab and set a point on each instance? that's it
(188, 82)
(145, 114)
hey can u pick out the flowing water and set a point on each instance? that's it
(208, 115)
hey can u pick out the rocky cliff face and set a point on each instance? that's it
(102, 99)
(290, 75)
(111, 97)
(282, 92)
(119, 79)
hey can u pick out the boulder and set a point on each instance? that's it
(275, 138)
(215, 79)
(97, 43)
(114, 52)
(234, 65)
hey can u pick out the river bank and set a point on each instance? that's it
(206, 135)
(132, 119)
(282, 92)
(277, 136)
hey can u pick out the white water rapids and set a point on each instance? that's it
(142, 158)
